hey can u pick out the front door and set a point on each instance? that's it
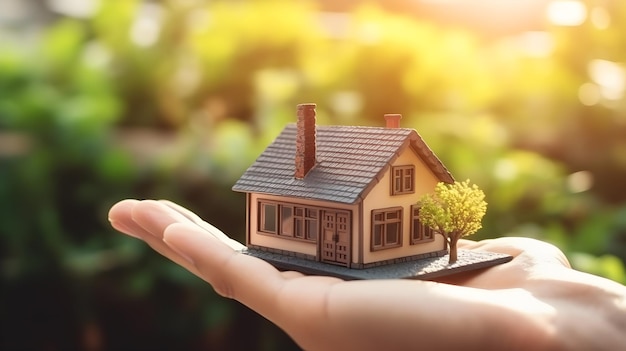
(336, 237)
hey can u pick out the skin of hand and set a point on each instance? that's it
(534, 302)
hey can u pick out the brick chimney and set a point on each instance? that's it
(305, 140)
(393, 120)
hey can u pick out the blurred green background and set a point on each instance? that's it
(105, 100)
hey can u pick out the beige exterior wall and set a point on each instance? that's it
(300, 246)
(380, 197)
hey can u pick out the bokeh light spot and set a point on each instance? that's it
(600, 17)
(589, 94)
(579, 182)
(610, 76)
(566, 13)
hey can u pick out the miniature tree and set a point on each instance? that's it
(453, 210)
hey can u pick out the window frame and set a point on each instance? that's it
(399, 177)
(420, 233)
(287, 227)
(384, 224)
(291, 221)
(262, 218)
(303, 218)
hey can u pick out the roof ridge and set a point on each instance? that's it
(349, 159)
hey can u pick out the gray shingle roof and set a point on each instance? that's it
(350, 160)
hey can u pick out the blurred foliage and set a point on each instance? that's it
(174, 99)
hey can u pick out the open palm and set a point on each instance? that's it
(536, 301)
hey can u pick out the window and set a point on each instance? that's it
(386, 228)
(288, 220)
(402, 180)
(305, 223)
(420, 233)
(268, 218)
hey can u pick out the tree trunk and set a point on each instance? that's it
(454, 238)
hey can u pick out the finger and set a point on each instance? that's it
(250, 280)
(539, 252)
(235, 245)
(288, 275)
(121, 218)
(155, 217)
(531, 260)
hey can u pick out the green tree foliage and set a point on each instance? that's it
(454, 211)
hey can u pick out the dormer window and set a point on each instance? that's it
(402, 180)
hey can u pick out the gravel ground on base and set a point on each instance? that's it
(423, 269)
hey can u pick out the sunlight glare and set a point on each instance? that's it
(567, 12)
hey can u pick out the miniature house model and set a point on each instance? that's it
(342, 195)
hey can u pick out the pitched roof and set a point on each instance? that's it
(349, 159)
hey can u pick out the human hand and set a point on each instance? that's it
(534, 302)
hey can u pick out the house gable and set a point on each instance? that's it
(381, 203)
